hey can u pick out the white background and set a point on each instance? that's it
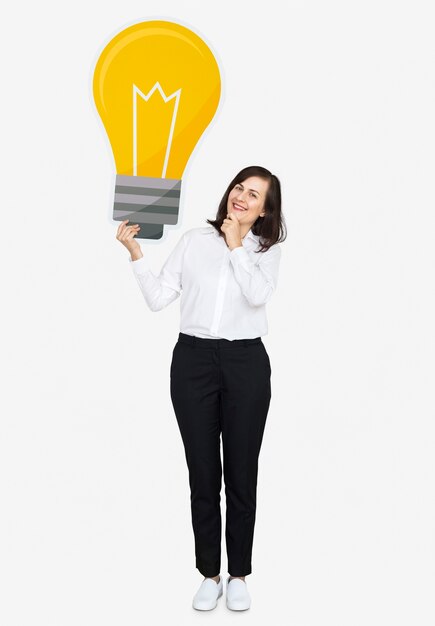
(338, 100)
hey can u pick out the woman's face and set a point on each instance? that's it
(246, 199)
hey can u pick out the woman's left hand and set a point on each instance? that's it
(231, 228)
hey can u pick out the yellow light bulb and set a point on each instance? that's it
(156, 88)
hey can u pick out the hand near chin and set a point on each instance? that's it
(231, 228)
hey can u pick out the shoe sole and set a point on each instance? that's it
(238, 608)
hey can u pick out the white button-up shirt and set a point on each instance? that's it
(223, 292)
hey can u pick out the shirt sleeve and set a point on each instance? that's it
(257, 281)
(161, 290)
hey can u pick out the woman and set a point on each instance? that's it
(220, 370)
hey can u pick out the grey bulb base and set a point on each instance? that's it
(149, 202)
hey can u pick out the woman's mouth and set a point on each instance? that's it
(238, 208)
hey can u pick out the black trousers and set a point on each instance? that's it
(221, 386)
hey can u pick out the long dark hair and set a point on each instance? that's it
(271, 228)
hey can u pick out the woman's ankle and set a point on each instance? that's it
(215, 578)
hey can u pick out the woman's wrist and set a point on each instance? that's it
(136, 254)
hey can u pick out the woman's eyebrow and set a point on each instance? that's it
(250, 189)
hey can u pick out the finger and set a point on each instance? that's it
(130, 235)
(122, 224)
(122, 228)
(127, 232)
(132, 229)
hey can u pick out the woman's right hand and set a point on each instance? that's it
(125, 235)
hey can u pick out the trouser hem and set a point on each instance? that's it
(208, 572)
(246, 572)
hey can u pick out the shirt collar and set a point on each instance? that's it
(208, 230)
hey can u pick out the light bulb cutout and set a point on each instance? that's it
(156, 87)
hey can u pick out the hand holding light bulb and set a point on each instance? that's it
(125, 234)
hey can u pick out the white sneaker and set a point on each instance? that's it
(238, 598)
(208, 594)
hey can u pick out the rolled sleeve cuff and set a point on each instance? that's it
(140, 266)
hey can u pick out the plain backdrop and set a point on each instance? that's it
(338, 100)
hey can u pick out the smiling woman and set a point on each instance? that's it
(254, 197)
